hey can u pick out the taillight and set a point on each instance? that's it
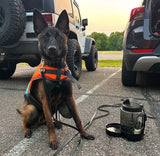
(142, 50)
(137, 14)
(49, 19)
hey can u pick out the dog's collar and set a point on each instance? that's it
(59, 64)
(44, 67)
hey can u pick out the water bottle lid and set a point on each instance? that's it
(132, 105)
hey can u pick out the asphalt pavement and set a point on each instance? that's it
(110, 56)
(98, 88)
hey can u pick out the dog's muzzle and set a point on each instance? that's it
(52, 50)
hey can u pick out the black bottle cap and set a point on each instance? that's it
(132, 105)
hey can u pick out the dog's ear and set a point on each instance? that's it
(63, 22)
(39, 22)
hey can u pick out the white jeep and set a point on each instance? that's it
(18, 42)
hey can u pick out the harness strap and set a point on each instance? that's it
(46, 91)
(32, 100)
(58, 74)
(48, 71)
(68, 74)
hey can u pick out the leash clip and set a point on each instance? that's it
(42, 69)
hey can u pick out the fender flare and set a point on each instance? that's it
(72, 35)
(88, 43)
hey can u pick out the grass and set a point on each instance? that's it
(107, 63)
(103, 63)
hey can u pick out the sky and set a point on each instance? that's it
(106, 16)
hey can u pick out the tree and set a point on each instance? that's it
(113, 42)
(116, 40)
(101, 39)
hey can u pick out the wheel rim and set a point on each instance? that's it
(2, 16)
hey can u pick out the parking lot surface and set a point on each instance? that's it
(98, 88)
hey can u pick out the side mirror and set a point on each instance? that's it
(84, 23)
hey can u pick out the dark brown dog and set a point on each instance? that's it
(52, 43)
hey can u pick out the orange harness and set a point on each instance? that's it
(50, 73)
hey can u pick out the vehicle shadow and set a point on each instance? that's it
(148, 79)
(18, 81)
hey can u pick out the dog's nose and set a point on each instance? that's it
(52, 48)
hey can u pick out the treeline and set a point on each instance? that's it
(105, 43)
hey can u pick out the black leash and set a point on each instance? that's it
(78, 143)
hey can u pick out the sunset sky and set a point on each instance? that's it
(106, 15)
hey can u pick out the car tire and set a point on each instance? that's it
(7, 70)
(74, 58)
(12, 21)
(92, 60)
(128, 77)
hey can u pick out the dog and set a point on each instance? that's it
(52, 45)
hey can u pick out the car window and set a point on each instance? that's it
(76, 14)
(143, 2)
(29, 5)
(63, 4)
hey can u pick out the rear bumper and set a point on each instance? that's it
(142, 62)
(146, 63)
(20, 52)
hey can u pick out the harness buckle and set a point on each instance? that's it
(42, 70)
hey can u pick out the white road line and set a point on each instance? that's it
(18, 149)
(83, 97)
(23, 145)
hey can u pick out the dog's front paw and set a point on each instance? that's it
(88, 136)
(54, 144)
(28, 134)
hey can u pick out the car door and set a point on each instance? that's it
(152, 20)
(79, 31)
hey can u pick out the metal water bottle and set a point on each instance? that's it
(132, 119)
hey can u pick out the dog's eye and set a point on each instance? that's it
(45, 37)
(59, 37)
